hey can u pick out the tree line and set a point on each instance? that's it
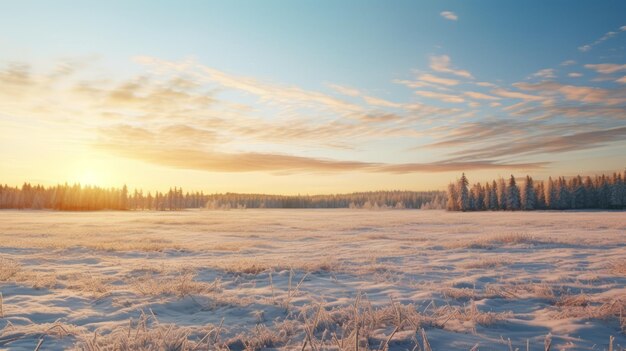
(64, 197)
(599, 192)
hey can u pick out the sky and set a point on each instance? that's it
(308, 97)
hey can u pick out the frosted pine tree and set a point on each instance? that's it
(551, 195)
(540, 195)
(453, 198)
(513, 195)
(479, 197)
(564, 195)
(528, 195)
(615, 197)
(502, 194)
(463, 193)
(493, 196)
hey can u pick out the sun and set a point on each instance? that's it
(90, 177)
(90, 172)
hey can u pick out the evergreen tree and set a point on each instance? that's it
(463, 193)
(540, 195)
(513, 195)
(551, 195)
(480, 197)
(493, 197)
(487, 196)
(615, 196)
(502, 194)
(123, 203)
(564, 199)
(528, 195)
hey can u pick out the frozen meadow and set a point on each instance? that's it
(312, 280)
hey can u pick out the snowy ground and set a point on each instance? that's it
(281, 279)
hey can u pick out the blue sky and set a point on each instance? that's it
(397, 94)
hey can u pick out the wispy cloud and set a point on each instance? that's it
(157, 148)
(344, 90)
(515, 95)
(449, 15)
(545, 144)
(546, 73)
(443, 64)
(480, 96)
(606, 68)
(440, 96)
(577, 93)
(605, 37)
(429, 78)
(182, 114)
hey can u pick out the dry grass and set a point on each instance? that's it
(11, 270)
(93, 285)
(580, 300)
(146, 245)
(519, 291)
(8, 269)
(314, 264)
(230, 246)
(496, 240)
(180, 285)
(246, 266)
(459, 293)
(34, 331)
(37, 280)
(259, 338)
(582, 307)
(145, 334)
(258, 266)
(105, 243)
(617, 267)
(488, 262)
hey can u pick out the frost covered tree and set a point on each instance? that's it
(453, 198)
(479, 197)
(556, 193)
(564, 199)
(551, 195)
(528, 195)
(615, 192)
(493, 196)
(487, 196)
(540, 195)
(513, 201)
(502, 194)
(463, 193)
(579, 193)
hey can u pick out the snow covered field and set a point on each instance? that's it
(312, 279)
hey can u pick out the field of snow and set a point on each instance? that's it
(312, 280)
